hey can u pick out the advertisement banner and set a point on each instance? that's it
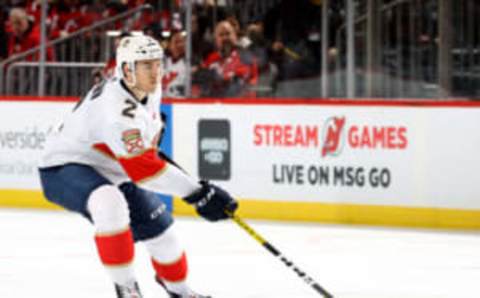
(389, 156)
(25, 127)
(348, 163)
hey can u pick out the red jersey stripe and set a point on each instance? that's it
(117, 249)
(172, 272)
(143, 166)
(103, 148)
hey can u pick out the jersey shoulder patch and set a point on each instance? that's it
(132, 139)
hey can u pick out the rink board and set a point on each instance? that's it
(387, 163)
(339, 162)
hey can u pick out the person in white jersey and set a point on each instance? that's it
(103, 163)
(175, 76)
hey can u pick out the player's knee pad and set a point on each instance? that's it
(108, 209)
(166, 247)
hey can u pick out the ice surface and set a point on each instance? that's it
(52, 254)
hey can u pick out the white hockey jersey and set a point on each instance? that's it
(117, 135)
(174, 77)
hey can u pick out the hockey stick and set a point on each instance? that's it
(279, 255)
(240, 222)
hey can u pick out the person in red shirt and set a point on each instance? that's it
(24, 35)
(34, 9)
(232, 69)
(75, 15)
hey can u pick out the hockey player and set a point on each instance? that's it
(103, 164)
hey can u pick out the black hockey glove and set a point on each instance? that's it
(212, 202)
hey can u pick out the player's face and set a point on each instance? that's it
(148, 73)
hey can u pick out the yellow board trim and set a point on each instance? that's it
(440, 218)
(25, 199)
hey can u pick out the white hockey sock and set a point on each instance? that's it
(114, 239)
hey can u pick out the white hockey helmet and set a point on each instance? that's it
(136, 48)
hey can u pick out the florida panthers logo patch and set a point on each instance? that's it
(132, 139)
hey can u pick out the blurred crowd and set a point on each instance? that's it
(20, 20)
(259, 48)
(229, 57)
(232, 58)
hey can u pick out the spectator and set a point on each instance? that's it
(174, 77)
(24, 35)
(242, 40)
(149, 17)
(154, 30)
(75, 15)
(293, 28)
(230, 70)
(258, 46)
(3, 34)
(201, 46)
(34, 9)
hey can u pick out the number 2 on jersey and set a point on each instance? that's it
(131, 107)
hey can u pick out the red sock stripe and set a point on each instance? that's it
(115, 249)
(172, 272)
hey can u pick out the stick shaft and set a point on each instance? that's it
(300, 273)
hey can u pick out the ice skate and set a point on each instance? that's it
(128, 291)
(174, 295)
